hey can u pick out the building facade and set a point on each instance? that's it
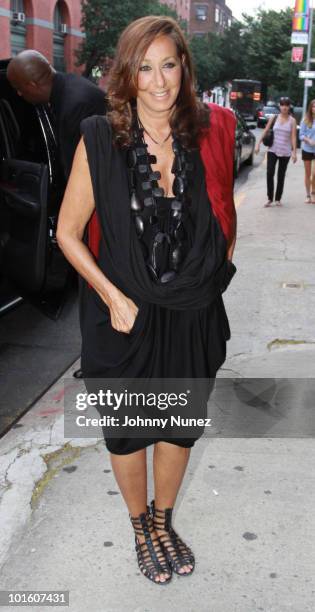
(49, 26)
(203, 16)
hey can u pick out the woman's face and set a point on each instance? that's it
(159, 76)
(313, 108)
(284, 109)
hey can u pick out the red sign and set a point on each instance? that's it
(297, 55)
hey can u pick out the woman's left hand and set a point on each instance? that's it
(294, 158)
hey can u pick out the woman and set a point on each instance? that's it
(284, 145)
(307, 137)
(162, 256)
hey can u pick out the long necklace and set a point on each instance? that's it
(144, 209)
(160, 144)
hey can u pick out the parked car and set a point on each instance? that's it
(244, 144)
(264, 114)
(31, 191)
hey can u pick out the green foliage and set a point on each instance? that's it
(208, 63)
(233, 52)
(103, 22)
(268, 39)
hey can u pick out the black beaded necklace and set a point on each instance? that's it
(144, 209)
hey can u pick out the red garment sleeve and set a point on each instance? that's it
(94, 235)
(217, 153)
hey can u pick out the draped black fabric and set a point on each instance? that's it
(204, 269)
(181, 327)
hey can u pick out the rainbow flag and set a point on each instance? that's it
(300, 24)
(301, 6)
(301, 16)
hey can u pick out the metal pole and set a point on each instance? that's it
(308, 60)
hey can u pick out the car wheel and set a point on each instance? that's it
(250, 160)
(237, 163)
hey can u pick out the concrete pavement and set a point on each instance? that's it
(246, 505)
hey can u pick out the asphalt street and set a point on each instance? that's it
(247, 503)
(34, 352)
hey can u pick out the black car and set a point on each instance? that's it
(244, 144)
(31, 191)
(264, 114)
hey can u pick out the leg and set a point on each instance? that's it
(175, 458)
(283, 164)
(130, 472)
(312, 181)
(271, 167)
(308, 170)
(166, 488)
(131, 475)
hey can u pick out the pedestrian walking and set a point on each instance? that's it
(283, 147)
(307, 138)
(160, 261)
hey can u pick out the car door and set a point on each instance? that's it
(31, 188)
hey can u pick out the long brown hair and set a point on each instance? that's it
(309, 114)
(189, 116)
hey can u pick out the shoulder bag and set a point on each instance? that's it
(268, 139)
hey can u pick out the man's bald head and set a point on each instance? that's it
(31, 74)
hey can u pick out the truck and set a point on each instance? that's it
(246, 97)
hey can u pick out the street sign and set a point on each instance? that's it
(299, 38)
(307, 74)
(308, 83)
(297, 55)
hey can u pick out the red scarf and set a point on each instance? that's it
(217, 153)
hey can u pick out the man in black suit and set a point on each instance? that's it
(71, 98)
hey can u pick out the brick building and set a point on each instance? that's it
(203, 16)
(49, 26)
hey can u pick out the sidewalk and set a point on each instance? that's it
(247, 504)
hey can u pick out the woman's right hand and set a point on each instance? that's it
(123, 313)
(257, 149)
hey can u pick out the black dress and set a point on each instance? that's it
(175, 341)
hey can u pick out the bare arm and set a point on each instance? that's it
(76, 210)
(232, 247)
(293, 140)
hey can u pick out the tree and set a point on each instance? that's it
(208, 63)
(103, 21)
(233, 52)
(267, 37)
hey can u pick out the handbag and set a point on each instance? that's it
(268, 139)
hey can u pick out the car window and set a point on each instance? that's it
(20, 129)
(271, 109)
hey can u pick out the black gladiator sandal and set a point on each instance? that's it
(176, 551)
(151, 558)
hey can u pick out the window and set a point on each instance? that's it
(59, 59)
(17, 6)
(217, 15)
(201, 12)
(18, 27)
